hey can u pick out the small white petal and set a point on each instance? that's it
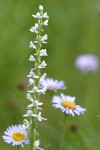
(32, 45)
(45, 15)
(42, 78)
(29, 113)
(37, 15)
(29, 97)
(32, 75)
(32, 58)
(36, 145)
(46, 22)
(31, 81)
(43, 52)
(42, 65)
(34, 28)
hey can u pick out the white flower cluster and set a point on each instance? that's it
(34, 76)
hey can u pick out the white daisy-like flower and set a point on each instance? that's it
(51, 84)
(87, 63)
(67, 104)
(16, 136)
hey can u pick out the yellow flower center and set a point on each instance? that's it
(17, 136)
(51, 87)
(68, 104)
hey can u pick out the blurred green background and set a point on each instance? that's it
(74, 28)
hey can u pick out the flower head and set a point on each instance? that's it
(16, 135)
(52, 84)
(67, 104)
(87, 63)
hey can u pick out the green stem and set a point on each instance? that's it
(63, 133)
(31, 136)
(18, 147)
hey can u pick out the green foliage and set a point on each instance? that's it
(74, 28)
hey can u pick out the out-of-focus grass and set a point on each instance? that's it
(74, 28)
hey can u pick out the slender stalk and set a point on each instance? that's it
(32, 135)
(35, 77)
(63, 133)
(18, 147)
(36, 80)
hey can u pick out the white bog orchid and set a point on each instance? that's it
(32, 45)
(43, 52)
(42, 65)
(32, 58)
